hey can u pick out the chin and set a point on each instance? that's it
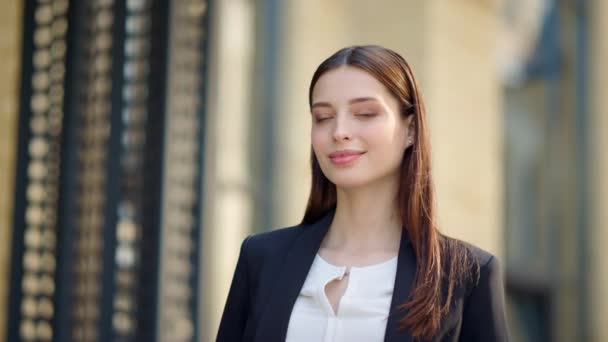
(351, 179)
(348, 181)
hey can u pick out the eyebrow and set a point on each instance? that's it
(352, 101)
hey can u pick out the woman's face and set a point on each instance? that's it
(358, 134)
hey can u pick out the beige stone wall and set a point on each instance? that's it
(598, 127)
(10, 50)
(464, 104)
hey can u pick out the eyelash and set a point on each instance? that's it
(364, 115)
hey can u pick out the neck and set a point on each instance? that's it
(366, 219)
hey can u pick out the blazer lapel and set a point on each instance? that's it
(275, 319)
(406, 269)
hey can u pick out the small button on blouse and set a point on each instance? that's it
(362, 311)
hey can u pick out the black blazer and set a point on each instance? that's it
(272, 267)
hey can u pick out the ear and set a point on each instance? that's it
(411, 129)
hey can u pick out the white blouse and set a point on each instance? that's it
(362, 311)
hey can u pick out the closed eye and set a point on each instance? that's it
(321, 119)
(366, 115)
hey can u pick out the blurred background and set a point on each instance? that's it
(142, 140)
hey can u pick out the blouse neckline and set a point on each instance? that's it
(341, 268)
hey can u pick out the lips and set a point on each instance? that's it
(345, 157)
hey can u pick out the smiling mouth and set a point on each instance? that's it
(344, 158)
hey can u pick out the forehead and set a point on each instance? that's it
(347, 82)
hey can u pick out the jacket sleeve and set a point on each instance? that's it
(484, 311)
(234, 318)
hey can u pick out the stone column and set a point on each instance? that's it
(10, 50)
(598, 158)
(228, 203)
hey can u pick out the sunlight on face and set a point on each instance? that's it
(357, 134)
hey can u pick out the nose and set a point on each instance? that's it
(342, 131)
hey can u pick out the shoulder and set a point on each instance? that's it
(262, 253)
(483, 310)
(270, 243)
(479, 264)
(274, 237)
(481, 256)
(455, 248)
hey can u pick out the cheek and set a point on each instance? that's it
(380, 134)
(317, 138)
(388, 140)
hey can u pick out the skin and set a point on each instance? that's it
(352, 110)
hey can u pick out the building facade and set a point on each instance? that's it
(211, 96)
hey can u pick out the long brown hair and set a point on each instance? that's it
(442, 263)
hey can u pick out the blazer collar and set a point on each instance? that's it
(275, 318)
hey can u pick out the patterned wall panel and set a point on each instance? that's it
(106, 235)
(129, 205)
(93, 130)
(39, 172)
(181, 201)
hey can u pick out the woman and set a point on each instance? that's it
(367, 262)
